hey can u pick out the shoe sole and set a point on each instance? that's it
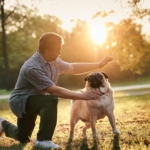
(45, 147)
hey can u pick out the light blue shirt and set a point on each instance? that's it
(35, 75)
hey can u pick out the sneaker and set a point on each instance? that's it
(45, 144)
(1, 128)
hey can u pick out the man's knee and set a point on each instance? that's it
(52, 100)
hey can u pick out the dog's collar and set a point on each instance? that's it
(101, 93)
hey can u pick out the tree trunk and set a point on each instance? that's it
(4, 48)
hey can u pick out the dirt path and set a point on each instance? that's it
(132, 87)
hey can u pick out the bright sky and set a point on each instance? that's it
(82, 9)
(68, 10)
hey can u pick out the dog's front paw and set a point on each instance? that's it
(116, 131)
(84, 135)
(95, 136)
(71, 136)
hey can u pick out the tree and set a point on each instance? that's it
(126, 43)
(4, 44)
(5, 15)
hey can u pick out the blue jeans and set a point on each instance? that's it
(43, 105)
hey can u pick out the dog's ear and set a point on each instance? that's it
(105, 75)
(86, 78)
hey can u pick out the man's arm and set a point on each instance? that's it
(79, 68)
(65, 93)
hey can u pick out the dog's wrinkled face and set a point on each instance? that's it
(96, 79)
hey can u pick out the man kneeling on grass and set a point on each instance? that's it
(36, 93)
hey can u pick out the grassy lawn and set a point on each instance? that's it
(4, 92)
(132, 118)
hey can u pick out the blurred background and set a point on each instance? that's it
(91, 30)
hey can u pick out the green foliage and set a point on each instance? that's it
(22, 40)
(4, 92)
(127, 45)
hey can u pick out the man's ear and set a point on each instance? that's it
(105, 75)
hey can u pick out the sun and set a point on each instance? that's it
(98, 32)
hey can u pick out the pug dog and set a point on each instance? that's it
(92, 110)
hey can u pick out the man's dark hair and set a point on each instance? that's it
(48, 41)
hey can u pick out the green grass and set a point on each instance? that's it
(4, 91)
(132, 115)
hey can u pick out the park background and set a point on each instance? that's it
(118, 28)
(91, 30)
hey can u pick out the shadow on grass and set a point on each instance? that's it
(69, 145)
(116, 143)
(95, 145)
(13, 147)
(83, 145)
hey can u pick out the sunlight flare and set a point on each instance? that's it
(98, 32)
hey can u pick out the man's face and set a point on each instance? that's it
(52, 54)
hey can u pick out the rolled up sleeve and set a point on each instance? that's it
(63, 66)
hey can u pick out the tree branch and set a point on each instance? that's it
(9, 14)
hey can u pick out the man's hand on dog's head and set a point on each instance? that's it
(91, 95)
(105, 61)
